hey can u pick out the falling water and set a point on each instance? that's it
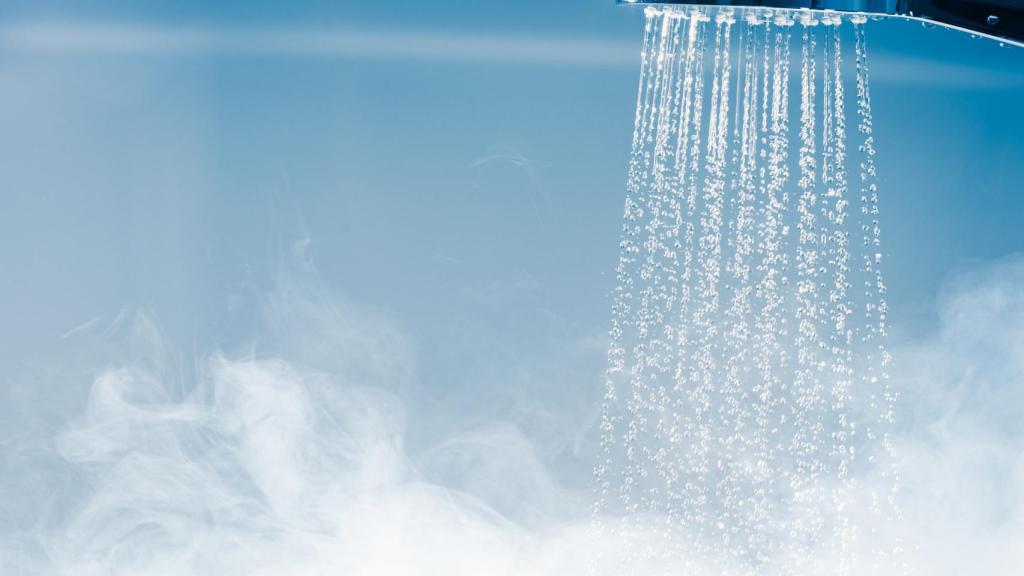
(747, 398)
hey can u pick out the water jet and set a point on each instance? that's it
(747, 396)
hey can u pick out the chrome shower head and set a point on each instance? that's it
(1002, 20)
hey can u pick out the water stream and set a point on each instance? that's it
(747, 399)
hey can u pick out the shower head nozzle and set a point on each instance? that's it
(1002, 20)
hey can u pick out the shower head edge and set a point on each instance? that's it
(1000, 20)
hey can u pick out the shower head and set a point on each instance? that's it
(1001, 20)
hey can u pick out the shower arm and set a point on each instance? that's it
(1002, 20)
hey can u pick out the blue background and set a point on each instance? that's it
(473, 200)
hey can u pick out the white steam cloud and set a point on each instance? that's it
(962, 446)
(291, 458)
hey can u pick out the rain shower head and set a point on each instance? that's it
(1001, 20)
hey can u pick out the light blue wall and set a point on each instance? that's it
(474, 203)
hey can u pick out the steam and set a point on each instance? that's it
(963, 437)
(290, 456)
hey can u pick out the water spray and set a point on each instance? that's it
(747, 397)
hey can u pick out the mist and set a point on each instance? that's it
(291, 454)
